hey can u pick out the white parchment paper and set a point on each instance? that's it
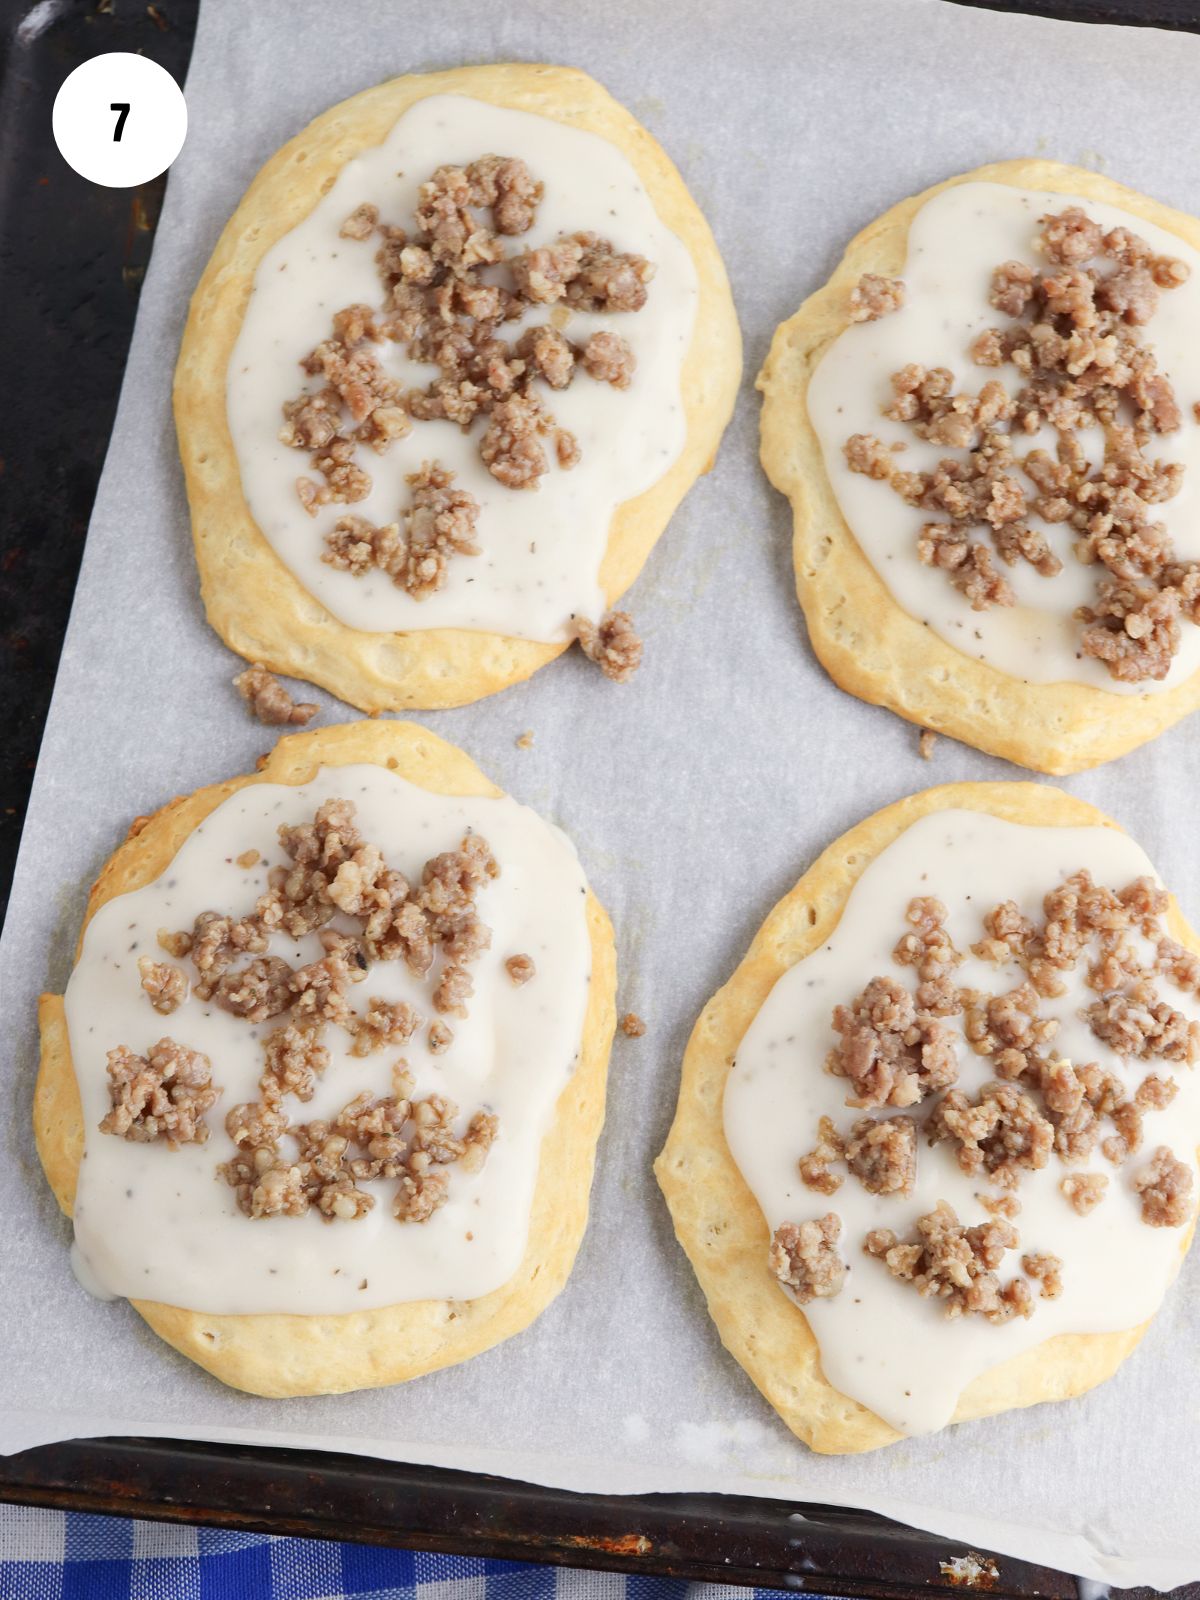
(696, 794)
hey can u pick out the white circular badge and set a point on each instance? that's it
(120, 119)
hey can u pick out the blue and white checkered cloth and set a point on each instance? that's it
(67, 1555)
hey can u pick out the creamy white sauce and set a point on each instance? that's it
(955, 241)
(541, 549)
(158, 1224)
(881, 1343)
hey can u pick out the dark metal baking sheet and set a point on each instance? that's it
(717, 1538)
(72, 258)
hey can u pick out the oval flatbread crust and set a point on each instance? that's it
(279, 1355)
(717, 1219)
(866, 641)
(254, 602)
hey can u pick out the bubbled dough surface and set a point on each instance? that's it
(717, 1219)
(866, 641)
(252, 600)
(280, 1355)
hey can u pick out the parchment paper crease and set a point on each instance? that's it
(696, 794)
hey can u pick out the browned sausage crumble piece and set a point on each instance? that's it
(295, 1058)
(931, 951)
(892, 1054)
(804, 1257)
(1001, 1133)
(957, 1265)
(632, 1025)
(613, 645)
(166, 985)
(319, 993)
(452, 991)
(258, 991)
(448, 289)
(1136, 1023)
(440, 1037)
(1084, 1190)
(1045, 1269)
(814, 1167)
(360, 224)
(1155, 1093)
(270, 702)
(1074, 337)
(1166, 1190)
(383, 1024)
(608, 358)
(520, 969)
(873, 297)
(160, 1096)
(882, 1154)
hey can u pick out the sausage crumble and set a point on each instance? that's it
(1084, 1190)
(957, 1265)
(814, 1167)
(805, 1258)
(1166, 1190)
(438, 523)
(873, 297)
(882, 1154)
(269, 701)
(613, 644)
(166, 985)
(892, 1054)
(160, 1096)
(1045, 1269)
(1001, 1133)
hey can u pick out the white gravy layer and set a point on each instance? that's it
(541, 549)
(955, 242)
(881, 1343)
(158, 1224)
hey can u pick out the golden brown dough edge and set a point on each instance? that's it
(866, 641)
(717, 1219)
(280, 1355)
(252, 600)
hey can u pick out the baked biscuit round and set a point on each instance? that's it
(252, 599)
(867, 641)
(717, 1218)
(289, 1354)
